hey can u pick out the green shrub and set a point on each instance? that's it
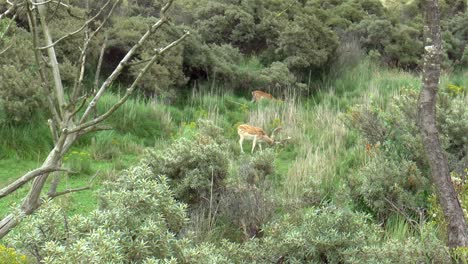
(247, 208)
(10, 256)
(254, 169)
(21, 94)
(137, 220)
(312, 235)
(196, 167)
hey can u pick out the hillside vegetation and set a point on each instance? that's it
(349, 182)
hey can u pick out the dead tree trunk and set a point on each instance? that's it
(456, 225)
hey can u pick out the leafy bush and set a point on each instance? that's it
(312, 235)
(254, 170)
(21, 94)
(196, 167)
(165, 73)
(10, 256)
(138, 220)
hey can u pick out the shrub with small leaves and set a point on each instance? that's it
(138, 220)
(196, 167)
(10, 256)
(254, 170)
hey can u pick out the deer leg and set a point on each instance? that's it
(241, 140)
(254, 142)
(260, 144)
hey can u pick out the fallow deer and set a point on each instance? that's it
(257, 95)
(256, 134)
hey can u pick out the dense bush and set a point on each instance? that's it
(138, 220)
(396, 177)
(165, 73)
(195, 166)
(21, 94)
(10, 256)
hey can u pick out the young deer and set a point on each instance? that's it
(256, 134)
(257, 95)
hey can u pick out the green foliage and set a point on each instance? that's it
(137, 221)
(254, 170)
(79, 162)
(306, 43)
(313, 235)
(165, 73)
(21, 94)
(196, 167)
(10, 256)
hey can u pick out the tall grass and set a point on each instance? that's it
(27, 141)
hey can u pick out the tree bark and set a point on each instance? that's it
(453, 213)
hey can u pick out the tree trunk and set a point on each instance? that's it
(456, 225)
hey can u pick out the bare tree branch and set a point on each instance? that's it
(124, 61)
(10, 10)
(67, 129)
(52, 58)
(37, 56)
(54, 194)
(99, 66)
(8, 27)
(25, 178)
(130, 89)
(69, 191)
(43, 3)
(78, 30)
(5, 50)
(82, 59)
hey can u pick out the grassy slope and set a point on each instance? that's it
(322, 153)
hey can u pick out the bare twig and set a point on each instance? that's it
(6, 49)
(124, 61)
(99, 66)
(43, 3)
(69, 191)
(77, 87)
(25, 178)
(56, 194)
(10, 10)
(37, 56)
(78, 30)
(130, 89)
(8, 27)
(412, 222)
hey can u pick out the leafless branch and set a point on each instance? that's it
(69, 191)
(95, 129)
(56, 194)
(117, 71)
(412, 222)
(78, 30)
(10, 10)
(43, 3)
(99, 66)
(5, 50)
(25, 178)
(59, 93)
(8, 27)
(131, 88)
(53, 130)
(137, 62)
(38, 56)
(82, 59)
